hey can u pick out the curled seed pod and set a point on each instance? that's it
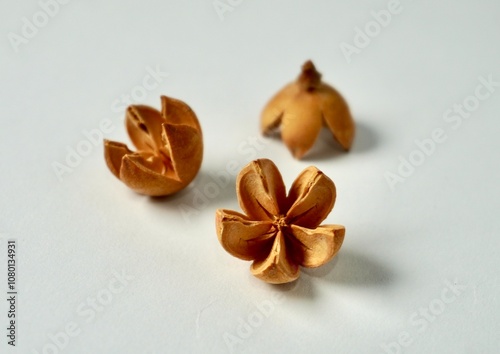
(169, 148)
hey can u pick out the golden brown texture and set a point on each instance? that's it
(302, 107)
(169, 148)
(279, 233)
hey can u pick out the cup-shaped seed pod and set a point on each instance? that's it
(303, 107)
(169, 148)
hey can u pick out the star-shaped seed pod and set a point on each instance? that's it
(279, 233)
(169, 148)
(302, 108)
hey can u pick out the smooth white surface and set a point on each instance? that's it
(187, 295)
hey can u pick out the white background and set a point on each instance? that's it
(403, 246)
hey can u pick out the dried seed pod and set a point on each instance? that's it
(279, 233)
(302, 107)
(169, 148)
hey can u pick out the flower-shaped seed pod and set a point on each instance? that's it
(169, 144)
(303, 107)
(279, 232)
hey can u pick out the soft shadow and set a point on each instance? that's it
(366, 138)
(354, 269)
(326, 147)
(206, 190)
(301, 288)
(274, 134)
(348, 268)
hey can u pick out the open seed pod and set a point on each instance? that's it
(302, 108)
(169, 148)
(278, 232)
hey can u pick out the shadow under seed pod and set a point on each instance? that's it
(353, 268)
(326, 148)
(206, 191)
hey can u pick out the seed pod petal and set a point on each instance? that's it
(315, 247)
(301, 124)
(113, 154)
(144, 127)
(183, 150)
(242, 237)
(261, 191)
(336, 115)
(144, 175)
(312, 197)
(175, 111)
(273, 111)
(277, 268)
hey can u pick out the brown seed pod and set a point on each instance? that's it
(302, 107)
(279, 233)
(169, 148)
